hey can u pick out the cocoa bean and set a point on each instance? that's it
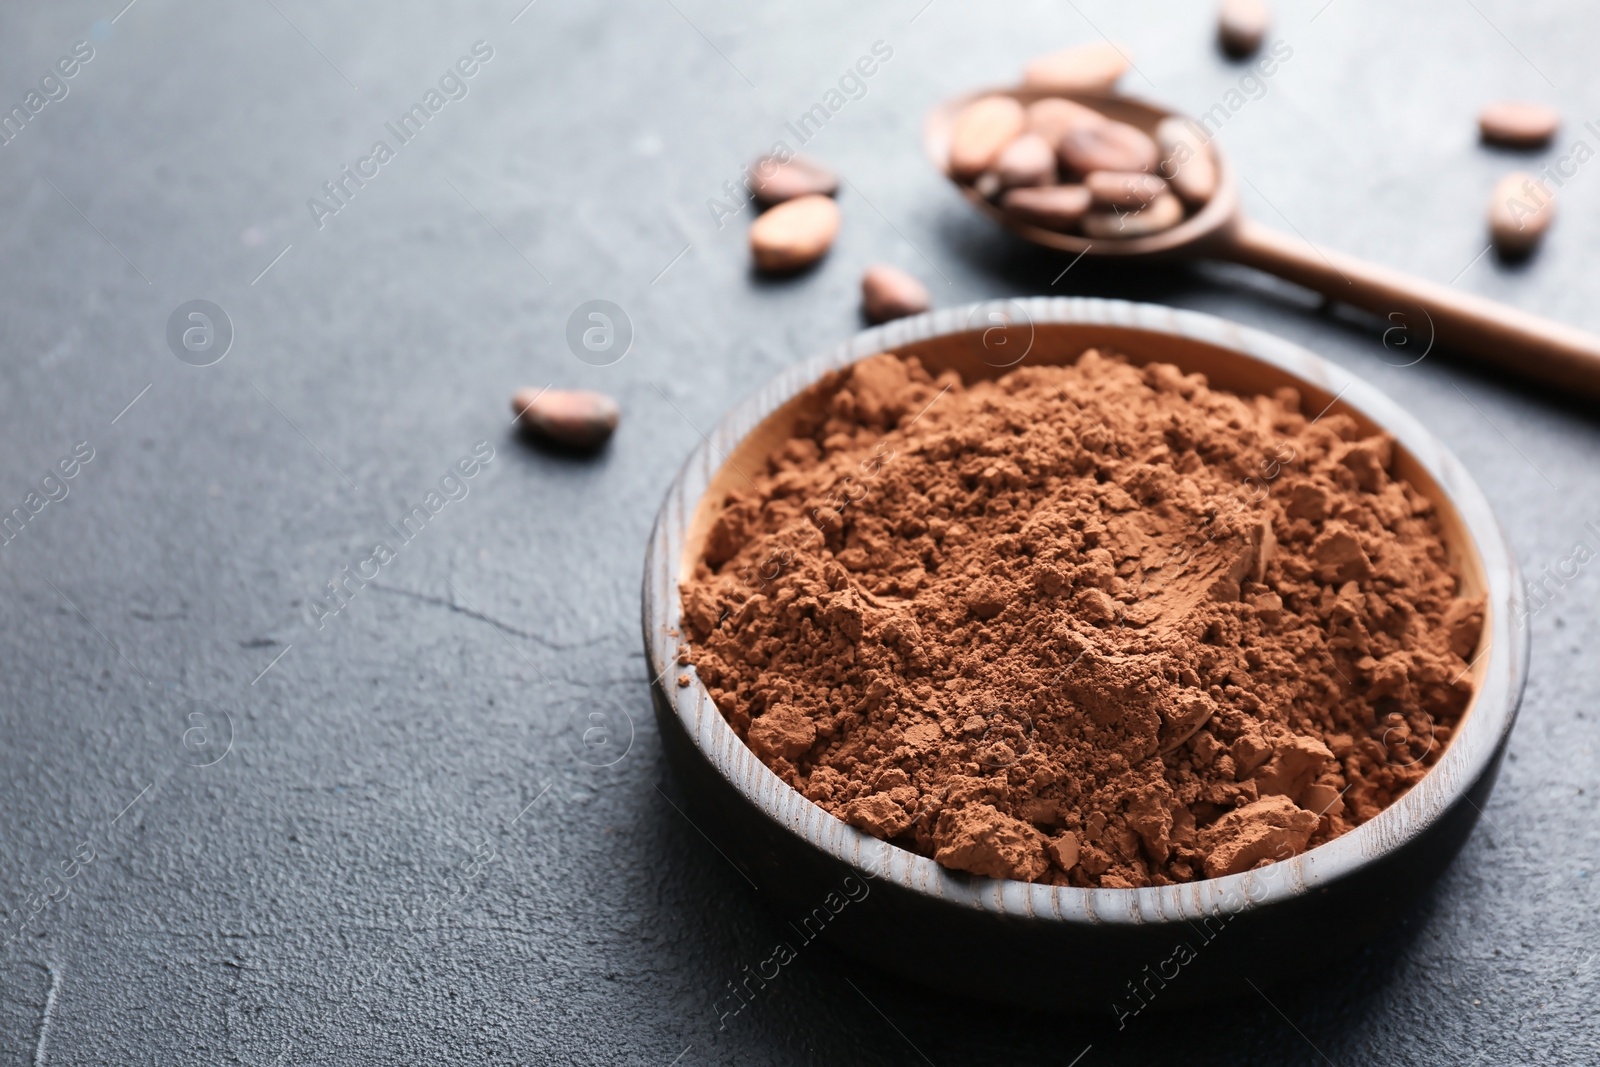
(982, 129)
(1515, 124)
(890, 293)
(794, 234)
(1029, 160)
(1089, 68)
(1186, 161)
(1242, 25)
(772, 182)
(1520, 211)
(1051, 207)
(1108, 146)
(574, 418)
(1054, 117)
(1121, 188)
(1163, 213)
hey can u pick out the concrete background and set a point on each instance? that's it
(228, 836)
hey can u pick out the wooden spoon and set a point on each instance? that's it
(1515, 340)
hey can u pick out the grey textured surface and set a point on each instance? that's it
(402, 856)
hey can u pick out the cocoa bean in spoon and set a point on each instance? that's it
(1186, 161)
(1516, 341)
(1053, 117)
(1090, 68)
(1029, 160)
(1163, 213)
(1051, 207)
(1108, 146)
(1122, 188)
(981, 132)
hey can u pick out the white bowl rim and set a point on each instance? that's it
(1501, 667)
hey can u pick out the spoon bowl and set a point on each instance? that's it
(1513, 340)
(1194, 232)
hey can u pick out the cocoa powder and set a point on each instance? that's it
(1095, 625)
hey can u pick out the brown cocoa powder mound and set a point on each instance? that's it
(1094, 625)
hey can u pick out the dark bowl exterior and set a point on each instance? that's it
(1114, 970)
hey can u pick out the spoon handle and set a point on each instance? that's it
(1515, 340)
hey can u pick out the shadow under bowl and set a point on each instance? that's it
(1055, 947)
